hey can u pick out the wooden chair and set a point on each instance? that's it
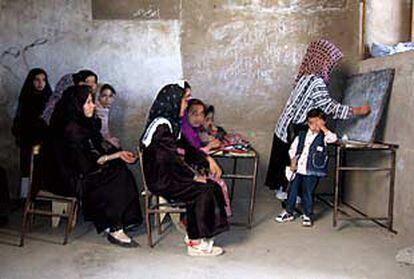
(156, 205)
(30, 210)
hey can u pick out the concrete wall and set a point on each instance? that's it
(239, 55)
(388, 21)
(242, 56)
(137, 57)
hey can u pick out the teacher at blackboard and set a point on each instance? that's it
(310, 92)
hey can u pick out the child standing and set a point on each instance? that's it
(310, 150)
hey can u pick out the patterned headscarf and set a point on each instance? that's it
(320, 59)
(167, 105)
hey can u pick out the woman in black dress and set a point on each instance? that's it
(28, 127)
(78, 162)
(169, 175)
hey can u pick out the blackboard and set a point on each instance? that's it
(373, 88)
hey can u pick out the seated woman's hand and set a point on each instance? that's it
(127, 156)
(215, 169)
(214, 144)
(200, 178)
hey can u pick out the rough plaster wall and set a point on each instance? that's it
(137, 57)
(388, 21)
(399, 130)
(242, 56)
(136, 9)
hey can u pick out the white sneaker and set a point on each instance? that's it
(280, 194)
(284, 216)
(306, 221)
(187, 240)
(203, 248)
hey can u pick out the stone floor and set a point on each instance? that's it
(269, 250)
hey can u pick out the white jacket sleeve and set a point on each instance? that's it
(330, 137)
(293, 148)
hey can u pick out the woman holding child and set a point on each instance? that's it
(169, 174)
(192, 126)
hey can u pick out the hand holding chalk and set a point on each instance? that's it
(361, 111)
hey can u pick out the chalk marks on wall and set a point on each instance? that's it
(253, 52)
(250, 44)
(286, 6)
(11, 55)
(147, 13)
(136, 9)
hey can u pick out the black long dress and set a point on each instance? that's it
(28, 128)
(108, 192)
(169, 176)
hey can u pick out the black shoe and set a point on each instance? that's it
(113, 240)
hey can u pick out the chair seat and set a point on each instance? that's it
(48, 195)
(168, 207)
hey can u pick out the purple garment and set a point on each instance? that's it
(64, 83)
(192, 135)
(190, 132)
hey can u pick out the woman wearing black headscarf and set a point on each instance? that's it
(28, 127)
(169, 176)
(78, 162)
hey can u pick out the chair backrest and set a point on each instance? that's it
(141, 166)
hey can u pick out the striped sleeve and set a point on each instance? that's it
(323, 100)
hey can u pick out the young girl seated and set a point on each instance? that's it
(211, 131)
(191, 122)
(193, 125)
(213, 134)
(28, 127)
(104, 100)
(309, 157)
